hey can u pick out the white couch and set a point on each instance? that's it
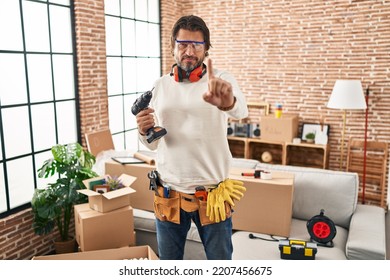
(360, 228)
(145, 226)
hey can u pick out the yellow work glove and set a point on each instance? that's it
(215, 206)
(226, 191)
(232, 189)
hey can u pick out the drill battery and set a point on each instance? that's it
(297, 250)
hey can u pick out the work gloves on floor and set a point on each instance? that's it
(227, 190)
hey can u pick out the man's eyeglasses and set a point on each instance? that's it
(183, 45)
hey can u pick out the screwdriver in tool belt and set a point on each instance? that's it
(166, 190)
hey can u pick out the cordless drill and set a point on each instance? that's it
(141, 103)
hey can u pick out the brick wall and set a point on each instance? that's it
(18, 240)
(91, 65)
(280, 51)
(292, 52)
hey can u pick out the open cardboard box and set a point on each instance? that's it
(123, 253)
(143, 198)
(105, 202)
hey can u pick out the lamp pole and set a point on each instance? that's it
(342, 139)
(365, 151)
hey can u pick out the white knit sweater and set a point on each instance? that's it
(195, 151)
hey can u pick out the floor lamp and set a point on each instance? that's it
(365, 150)
(346, 95)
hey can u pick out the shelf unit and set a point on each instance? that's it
(238, 146)
(309, 155)
(256, 147)
(303, 154)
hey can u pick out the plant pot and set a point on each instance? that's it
(64, 247)
(310, 141)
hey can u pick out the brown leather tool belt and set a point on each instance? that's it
(168, 208)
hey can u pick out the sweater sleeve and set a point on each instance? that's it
(240, 109)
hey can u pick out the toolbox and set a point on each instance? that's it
(297, 249)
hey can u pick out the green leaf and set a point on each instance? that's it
(53, 206)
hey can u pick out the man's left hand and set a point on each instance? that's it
(220, 92)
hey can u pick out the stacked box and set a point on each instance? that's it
(98, 231)
(143, 197)
(108, 201)
(283, 129)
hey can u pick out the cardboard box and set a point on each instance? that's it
(105, 202)
(283, 129)
(98, 231)
(99, 141)
(143, 197)
(137, 252)
(266, 206)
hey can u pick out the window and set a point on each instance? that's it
(133, 62)
(38, 107)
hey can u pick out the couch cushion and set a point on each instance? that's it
(368, 223)
(244, 163)
(314, 189)
(245, 248)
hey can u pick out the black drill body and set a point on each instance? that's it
(141, 103)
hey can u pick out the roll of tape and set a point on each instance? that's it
(266, 175)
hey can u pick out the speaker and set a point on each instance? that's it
(230, 129)
(242, 129)
(193, 76)
(254, 131)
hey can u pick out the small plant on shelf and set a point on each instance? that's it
(310, 137)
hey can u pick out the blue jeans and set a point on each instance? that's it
(216, 238)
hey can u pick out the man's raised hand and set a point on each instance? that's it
(220, 92)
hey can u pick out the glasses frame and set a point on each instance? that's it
(197, 45)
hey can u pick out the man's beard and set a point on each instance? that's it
(188, 67)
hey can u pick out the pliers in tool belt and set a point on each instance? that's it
(153, 176)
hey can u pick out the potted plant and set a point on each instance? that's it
(53, 206)
(310, 137)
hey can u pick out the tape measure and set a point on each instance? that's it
(321, 229)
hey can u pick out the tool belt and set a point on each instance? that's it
(168, 208)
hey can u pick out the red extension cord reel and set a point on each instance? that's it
(322, 230)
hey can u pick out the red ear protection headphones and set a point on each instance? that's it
(193, 76)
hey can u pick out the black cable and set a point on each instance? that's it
(251, 236)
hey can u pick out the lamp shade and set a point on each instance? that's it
(347, 94)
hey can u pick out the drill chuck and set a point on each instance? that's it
(141, 102)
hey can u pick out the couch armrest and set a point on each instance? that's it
(367, 236)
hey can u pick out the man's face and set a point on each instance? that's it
(189, 49)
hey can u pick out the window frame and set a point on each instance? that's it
(33, 153)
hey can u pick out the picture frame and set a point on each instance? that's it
(101, 189)
(315, 128)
